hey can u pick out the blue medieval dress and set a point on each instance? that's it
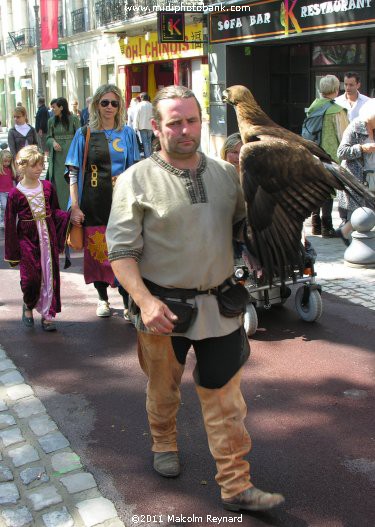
(110, 153)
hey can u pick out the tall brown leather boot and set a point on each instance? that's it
(164, 372)
(224, 411)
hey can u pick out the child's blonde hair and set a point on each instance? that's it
(29, 155)
(7, 154)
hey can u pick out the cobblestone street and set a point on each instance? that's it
(42, 481)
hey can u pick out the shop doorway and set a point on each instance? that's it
(153, 76)
(278, 77)
(289, 85)
(284, 79)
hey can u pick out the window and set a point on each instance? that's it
(61, 83)
(45, 83)
(3, 104)
(84, 85)
(108, 74)
(371, 91)
(12, 93)
(346, 53)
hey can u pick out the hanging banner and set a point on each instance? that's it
(49, 25)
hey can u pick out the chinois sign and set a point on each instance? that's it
(275, 18)
(138, 50)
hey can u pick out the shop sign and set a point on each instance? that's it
(171, 26)
(139, 50)
(61, 53)
(272, 18)
(206, 90)
(26, 83)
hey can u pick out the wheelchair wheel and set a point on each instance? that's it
(312, 310)
(250, 321)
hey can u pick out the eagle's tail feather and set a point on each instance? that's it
(354, 187)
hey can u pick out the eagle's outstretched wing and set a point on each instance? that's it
(284, 178)
(283, 183)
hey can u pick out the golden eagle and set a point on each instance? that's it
(284, 178)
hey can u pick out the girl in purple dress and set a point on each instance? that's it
(35, 232)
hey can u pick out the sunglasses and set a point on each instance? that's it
(105, 102)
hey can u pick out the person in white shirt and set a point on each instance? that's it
(351, 99)
(142, 122)
(132, 110)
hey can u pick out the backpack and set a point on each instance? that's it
(313, 124)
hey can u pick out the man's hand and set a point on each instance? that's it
(368, 148)
(77, 217)
(156, 316)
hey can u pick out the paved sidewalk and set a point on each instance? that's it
(42, 481)
(337, 278)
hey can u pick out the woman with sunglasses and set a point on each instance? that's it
(61, 129)
(111, 149)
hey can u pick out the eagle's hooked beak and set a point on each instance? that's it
(225, 96)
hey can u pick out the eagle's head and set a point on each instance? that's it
(236, 94)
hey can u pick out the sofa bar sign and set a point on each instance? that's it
(269, 18)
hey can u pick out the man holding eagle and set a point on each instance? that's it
(169, 239)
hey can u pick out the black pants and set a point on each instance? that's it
(218, 358)
(326, 220)
(102, 289)
(343, 213)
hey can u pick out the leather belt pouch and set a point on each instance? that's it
(232, 299)
(75, 237)
(185, 312)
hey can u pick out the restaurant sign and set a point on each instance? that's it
(275, 18)
(138, 49)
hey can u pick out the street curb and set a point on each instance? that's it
(42, 480)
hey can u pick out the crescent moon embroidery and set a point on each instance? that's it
(115, 145)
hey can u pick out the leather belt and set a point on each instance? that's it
(177, 292)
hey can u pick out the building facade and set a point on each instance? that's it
(100, 41)
(280, 50)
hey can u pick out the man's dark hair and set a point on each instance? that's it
(351, 74)
(145, 96)
(41, 100)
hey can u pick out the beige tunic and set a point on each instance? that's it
(179, 227)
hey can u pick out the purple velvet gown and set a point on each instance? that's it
(22, 243)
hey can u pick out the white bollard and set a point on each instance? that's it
(361, 252)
